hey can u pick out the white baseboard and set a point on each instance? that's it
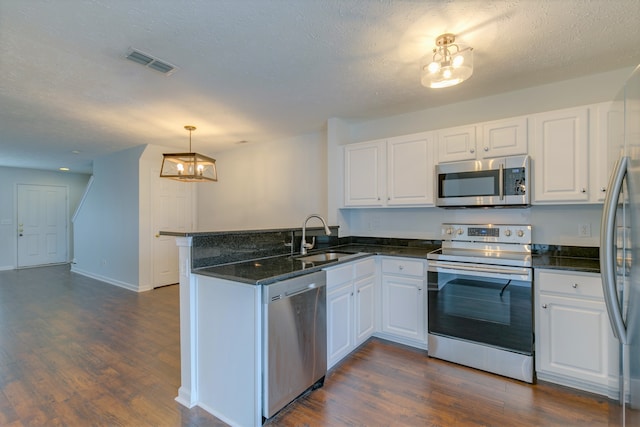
(109, 280)
(7, 267)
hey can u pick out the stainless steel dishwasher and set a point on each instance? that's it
(295, 339)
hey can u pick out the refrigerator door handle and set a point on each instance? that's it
(608, 252)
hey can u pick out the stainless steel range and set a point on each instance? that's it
(480, 298)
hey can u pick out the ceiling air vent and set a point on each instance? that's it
(150, 61)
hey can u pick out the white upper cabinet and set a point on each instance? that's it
(499, 138)
(410, 173)
(504, 138)
(365, 173)
(455, 144)
(560, 155)
(397, 172)
(605, 146)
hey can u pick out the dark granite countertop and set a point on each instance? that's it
(588, 265)
(265, 271)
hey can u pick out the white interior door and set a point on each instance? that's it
(42, 225)
(172, 212)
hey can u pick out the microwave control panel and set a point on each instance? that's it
(515, 182)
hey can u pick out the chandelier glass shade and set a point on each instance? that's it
(450, 64)
(188, 167)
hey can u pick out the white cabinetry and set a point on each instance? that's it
(351, 296)
(410, 170)
(574, 342)
(506, 137)
(394, 172)
(605, 146)
(561, 153)
(365, 173)
(404, 315)
(455, 144)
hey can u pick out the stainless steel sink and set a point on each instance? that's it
(326, 256)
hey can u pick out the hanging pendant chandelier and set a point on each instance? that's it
(450, 64)
(188, 167)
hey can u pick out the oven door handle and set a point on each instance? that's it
(480, 270)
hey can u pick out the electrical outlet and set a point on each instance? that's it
(584, 230)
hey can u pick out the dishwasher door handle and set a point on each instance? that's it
(299, 291)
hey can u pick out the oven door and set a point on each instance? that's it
(484, 304)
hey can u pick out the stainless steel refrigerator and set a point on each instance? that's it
(620, 245)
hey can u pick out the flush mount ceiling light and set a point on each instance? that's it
(450, 64)
(189, 167)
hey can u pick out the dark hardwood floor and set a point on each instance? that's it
(78, 352)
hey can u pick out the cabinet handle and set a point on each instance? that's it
(486, 148)
(400, 267)
(603, 189)
(419, 288)
(584, 190)
(575, 285)
(472, 150)
(351, 293)
(544, 306)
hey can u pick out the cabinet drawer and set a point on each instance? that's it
(366, 267)
(570, 284)
(339, 275)
(403, 266)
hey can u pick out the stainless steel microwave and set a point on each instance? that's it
(500, 182)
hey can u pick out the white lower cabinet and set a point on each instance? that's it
(351, 296)
(574, 342)
(404, 308)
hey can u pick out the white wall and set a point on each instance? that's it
(9, 179)
(271, 185)
(551, 224)
(107, 226)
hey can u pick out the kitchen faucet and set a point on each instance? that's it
(303, 244)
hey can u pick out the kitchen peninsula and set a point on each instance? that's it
(222, 275)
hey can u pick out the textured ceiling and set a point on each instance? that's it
(258, 70)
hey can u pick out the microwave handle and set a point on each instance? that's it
(501, 181)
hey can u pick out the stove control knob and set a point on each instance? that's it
(507, 232)
(460, 231)
(448, 230)
(520, 233)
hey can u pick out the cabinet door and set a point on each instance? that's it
(606, 146)
(456, 144)
(410, 170)
(573, 338)
(339, 323)
(365, 309)
(560, 140)
(504, 138)
(403, 306)
(365, 166)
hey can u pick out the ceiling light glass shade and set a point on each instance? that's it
(450, 64)
(188, 167)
